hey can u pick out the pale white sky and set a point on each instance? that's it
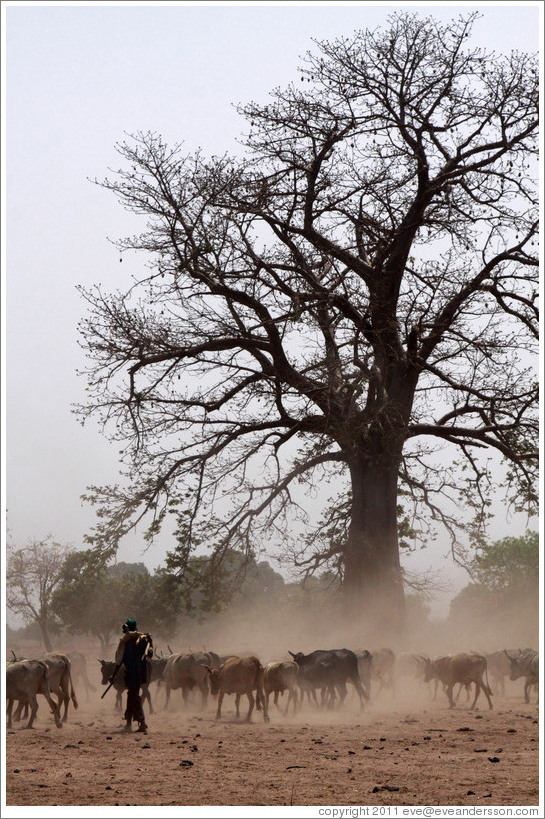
(77, 78)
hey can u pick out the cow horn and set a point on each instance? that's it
(14, 655)
(507, 654)
(292, 654)
(169, 648)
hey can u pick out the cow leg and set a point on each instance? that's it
(146, 697)
(251, 700)
(526, 691)
(276, 698)
(34, 710)
(330, 697)
(9, 709)
(56, 709)
(18, 710)
(356, 682)
(237, 705)
(449, 695)
(167, 700)
(295, 699)
(220, 700)
(65, 697)
(118, 700)
(477, 692)
(292, 697)
(264, 704)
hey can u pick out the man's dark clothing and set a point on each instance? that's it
(134, 708)
(134, 660)
(131, 653)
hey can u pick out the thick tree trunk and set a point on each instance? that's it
(373, 584)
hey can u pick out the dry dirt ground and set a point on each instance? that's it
(403, 751)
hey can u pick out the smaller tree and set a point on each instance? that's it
(33, 575)
(504, 595)
(509, 567)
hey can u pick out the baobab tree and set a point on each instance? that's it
(353, 299)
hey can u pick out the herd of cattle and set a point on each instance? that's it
(321, 675)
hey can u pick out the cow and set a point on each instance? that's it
(526, 665)
(79, 670)
(60, 681)
(188, 671)
(155, 666)
(239, 675)
(383, 661)
(418, 661)
(499, 667)
(364, 670)
(329, 670)
(279, 677)
(24, 680)
(459, 668)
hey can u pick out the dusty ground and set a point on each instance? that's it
(407, 751)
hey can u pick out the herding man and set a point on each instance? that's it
(132, 651)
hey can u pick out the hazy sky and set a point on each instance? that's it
(77, 79)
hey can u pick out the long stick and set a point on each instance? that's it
(104, 694)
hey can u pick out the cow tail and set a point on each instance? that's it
(72, 692)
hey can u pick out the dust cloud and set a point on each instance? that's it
(270, 630)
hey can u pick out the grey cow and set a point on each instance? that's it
(25, 679)
(525, 664)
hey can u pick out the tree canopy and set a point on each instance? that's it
(504, 594)
(352, 300)
(94, 598)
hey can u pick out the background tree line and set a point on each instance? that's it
(59, 590)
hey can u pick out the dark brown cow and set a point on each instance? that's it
(239, 675)
(459, 668)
